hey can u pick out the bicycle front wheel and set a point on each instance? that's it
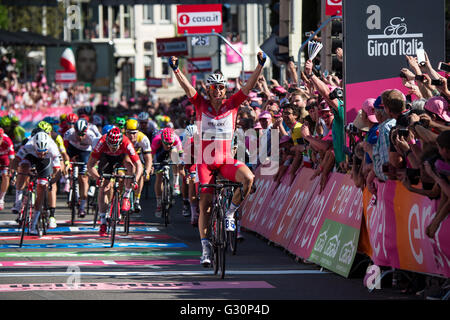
(114, 217)
(222, 247)
(166, 202)
(24, 219)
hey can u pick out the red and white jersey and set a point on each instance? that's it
(7, 147)
(126, 147)
(217, 126)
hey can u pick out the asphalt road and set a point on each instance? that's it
(158, 263)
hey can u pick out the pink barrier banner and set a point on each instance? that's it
(251, 208)
(381, 224)
(305, 235)
(396, 224)
(293, 209)
(30, 117)
(271, 210)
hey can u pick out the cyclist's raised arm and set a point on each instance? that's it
(182, 80)
(255, 75)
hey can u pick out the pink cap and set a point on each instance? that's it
(369, 109)
(439, 106)
(280, 89)
(252, 94)
(257, 126)
(265, 115)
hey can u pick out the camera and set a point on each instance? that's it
(444, 66)
(436, 82)
(351, 128)
(403, 132)
(337, 93)
(413, 175)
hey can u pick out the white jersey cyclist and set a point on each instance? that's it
(30, 149)
(86, 144)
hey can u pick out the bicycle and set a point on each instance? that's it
(74, 192)
(26, 211)
(232, 239)
(217, 230)
(167, 192)
(114, 213)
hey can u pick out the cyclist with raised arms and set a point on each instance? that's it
(165, 145)
(216, 118)
(6, 156)
(113, 150)
(79, 142)
(143, 148)
(42, 152)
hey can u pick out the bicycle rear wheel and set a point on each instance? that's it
(114, 217)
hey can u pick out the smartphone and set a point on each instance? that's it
(420, 53)
(444, 66)
(403, 133)
(436, 82)
(419, 77)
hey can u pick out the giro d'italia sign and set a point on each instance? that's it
(378, 34)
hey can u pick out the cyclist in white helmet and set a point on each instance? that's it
(80, 142)
(147, 125)
(43, 153)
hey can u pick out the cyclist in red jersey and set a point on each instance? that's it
(216, 118)
(6, 155)
(113, 150)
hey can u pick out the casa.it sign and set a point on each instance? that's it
(203, 18)
(333, 8)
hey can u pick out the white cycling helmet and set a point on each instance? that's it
(41, 141)
(81, 125)
(216, 78)
(143, 116)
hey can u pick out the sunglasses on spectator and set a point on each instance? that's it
(325, 115)
(217, 86)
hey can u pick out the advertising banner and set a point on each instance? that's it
(202, 18)
(29, 118)
(377, 36)
(336, 245)
(94, 63)
(307, 231)
(294, 207)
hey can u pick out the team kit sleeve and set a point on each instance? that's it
(98, 148)
(156, 144)
(11, 152)
(145, 145)
(54, 154)
(129, 150)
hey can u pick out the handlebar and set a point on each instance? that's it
(109, 176)
(77, 163)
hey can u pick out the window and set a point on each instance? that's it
(165, 13)
(235, 22)
(148, 66)
(127, 22)
(148, 13)
(148, 46)
(165, 66)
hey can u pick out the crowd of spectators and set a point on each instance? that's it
(393, 137)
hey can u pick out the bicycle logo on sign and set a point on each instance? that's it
(397, 27)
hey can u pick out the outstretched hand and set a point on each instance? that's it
(173, 63)
(262, 57)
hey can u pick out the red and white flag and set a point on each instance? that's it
(67, 60)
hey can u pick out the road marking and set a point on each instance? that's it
(97, 263)
(83, 222)
(83, 229)
(163, 273)
(94, 245)
(87, 236)
(111, 253)
(151, 286)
